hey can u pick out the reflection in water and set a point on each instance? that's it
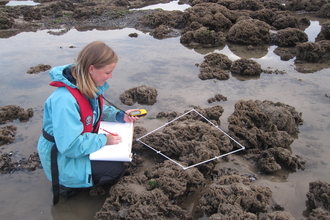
(8, 34)
(243, 78)
(313, 30)
(286, 53)
(171, 6)
(247, 52)
(303, 67)
(59, 32)
(169, 67)
(205, 51)
(18, 3)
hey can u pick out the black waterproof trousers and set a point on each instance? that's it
(106, 172)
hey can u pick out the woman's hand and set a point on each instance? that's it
(128, 118)
(111, 139)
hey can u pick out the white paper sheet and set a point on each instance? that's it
(117, 152)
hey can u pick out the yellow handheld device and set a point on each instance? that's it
(139, 113)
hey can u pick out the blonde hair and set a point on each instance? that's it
(97, 54)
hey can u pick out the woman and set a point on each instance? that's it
(71, 118)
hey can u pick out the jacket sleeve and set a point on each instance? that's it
(112, 114)
(67, 128)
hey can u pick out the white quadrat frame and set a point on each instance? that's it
(183, 167)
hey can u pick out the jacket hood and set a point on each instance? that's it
(63, 74)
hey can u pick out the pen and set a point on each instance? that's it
(109, 132)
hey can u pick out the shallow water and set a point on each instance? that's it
(171, 6)
(18, 3)
(170, 68)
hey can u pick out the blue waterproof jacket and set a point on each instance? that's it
(61, 119)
